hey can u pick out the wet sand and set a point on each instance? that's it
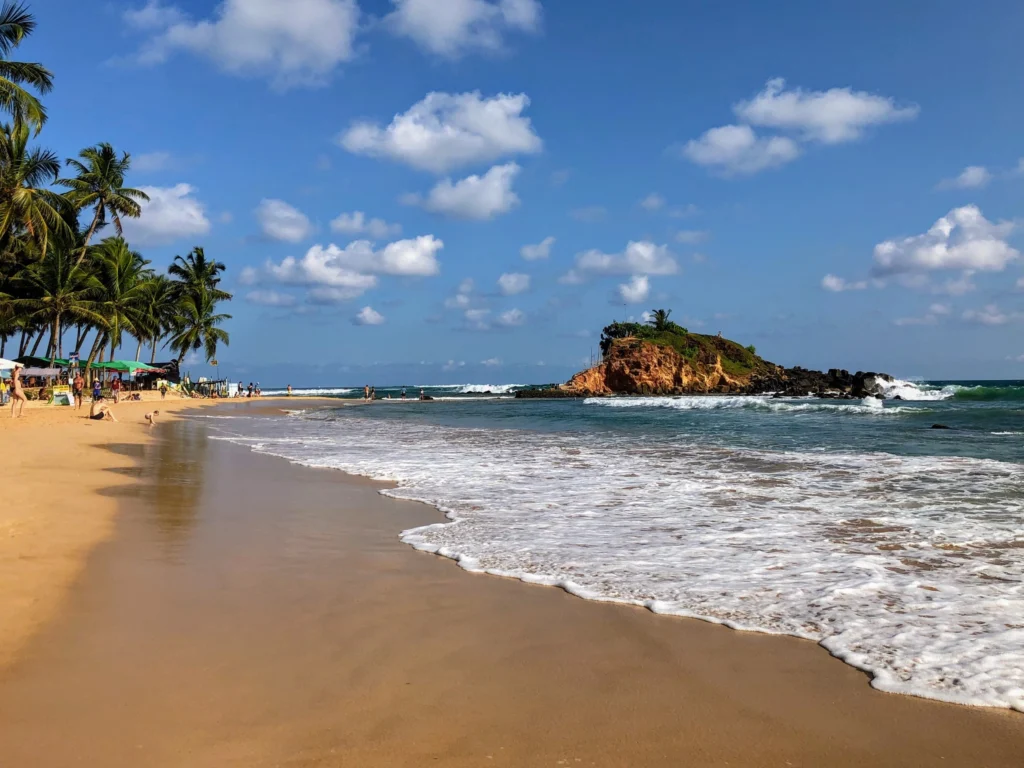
(248, 612)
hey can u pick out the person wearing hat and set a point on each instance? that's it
(17, 391)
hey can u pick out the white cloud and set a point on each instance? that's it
(171, 214)
(962, 239)
(692, 236)
(830, 117)
(589, 213)
(280, 221)
(991, 314)
(452, 27)
(736, 149)
(491, 362)
(451, 365)
(639, 258)
(958, 286)
(837, 284)
(446, 131)
(636, 290)
(149, 162)
(338, 274)
(249, 276)
(299, 42)
(512, 283)
(270, 298)
(474, 197)
(477, 318)
(356, 223)
(972, 177)
(653, 202)
(539, 251)
(1020, 282)
(1017, 359)
(511, 318)
(368, 316)
(931, 317)
(462, 299)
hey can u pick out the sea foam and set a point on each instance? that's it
(907, 567)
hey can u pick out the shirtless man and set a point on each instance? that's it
(17, 391)
(77, 386)
(99, 411)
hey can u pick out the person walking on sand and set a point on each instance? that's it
(77, 386)
(115, 389)
(99, 411)
(97, 390)
(17, 392)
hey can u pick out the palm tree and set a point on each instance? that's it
(26, 206)
(196, 326)
(659, 319)
(16, 23)
(56, 289)
(195, 273)
(125, 278)
(161, 307)
(99, 184)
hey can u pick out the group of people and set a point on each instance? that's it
(98, 411)
(370, 393)
(250, 391)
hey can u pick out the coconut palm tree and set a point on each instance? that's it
(16, 23)
(54, 290)
(26, 205)
(161, 307)
(195, 273)
(197, 326)
(659, 319)
(99, 185)
(125, 278)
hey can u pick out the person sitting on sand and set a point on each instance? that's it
(17, 392)
(100, 411)
(151, 418)
(77, 385)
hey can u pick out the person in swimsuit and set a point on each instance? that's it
(77, 385)
(151, 418)
(99, 411)
(17, 391)
(366, 392)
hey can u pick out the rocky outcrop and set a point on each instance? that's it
(712, 365)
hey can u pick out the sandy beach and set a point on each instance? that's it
(172, 600)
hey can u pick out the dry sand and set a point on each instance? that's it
(252, 613)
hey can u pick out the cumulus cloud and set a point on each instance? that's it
(445, 131)
(356, 223)
(838, 284)
(280, 221)
(454, 27)
(830, 117)
(512, 283)
(635, 291)
(539, 251)
(339, 274)
(474, 197)
(368, 316)
(639, 258)
(972, 177)
(298, 43)
(511, 318)
(491, 362)
(827, 117)
(962, 239)
(451, 365)
(653, 202)
(463, 296)
(931, 317)
(991, 314)
(270, 298)
(171, 214)
(736, 149)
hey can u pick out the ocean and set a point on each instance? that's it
(898, 547)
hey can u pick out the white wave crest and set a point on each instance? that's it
(488, 389)
(908, 390)
(868, 405)
(310, 392)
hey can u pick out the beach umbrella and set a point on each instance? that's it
(6, 364)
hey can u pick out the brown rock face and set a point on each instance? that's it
(633, 367)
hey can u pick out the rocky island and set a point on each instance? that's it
(661, 357)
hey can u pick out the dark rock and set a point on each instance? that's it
(940, 426)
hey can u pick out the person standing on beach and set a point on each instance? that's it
(17, 392)
(77, 385)
(97, 390)
(289, 390)
(366, 392)
(373, 394)
(115, 389)
(403, 393)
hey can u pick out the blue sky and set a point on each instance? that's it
(839, 184)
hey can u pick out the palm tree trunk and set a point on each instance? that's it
(81, 330)
(97, 344)
(54, 340)
(39, 338)
(26, 337)
(152, 358)
(88, 236)
(138, 352)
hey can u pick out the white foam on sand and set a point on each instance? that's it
(911, 568)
